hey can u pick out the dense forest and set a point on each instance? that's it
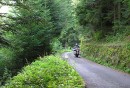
(35, 28)
(103, 18)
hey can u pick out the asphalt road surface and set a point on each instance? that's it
(97, 76)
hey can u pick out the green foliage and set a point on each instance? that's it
(97, 36)
(28, 32)
(121, 35)
(56, 45)
(111, 55)
(64, 21)
(69, 37)
(47, 72)
(31, 29)
(106, 16)
(6, 76)
(6, 59)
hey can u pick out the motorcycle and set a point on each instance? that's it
(76, 52)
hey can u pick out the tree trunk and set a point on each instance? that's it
(114, 16)
(119, 15)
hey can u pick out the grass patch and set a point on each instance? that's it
(47, 72)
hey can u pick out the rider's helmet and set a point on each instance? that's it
(76, 45)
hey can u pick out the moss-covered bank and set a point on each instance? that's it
(114, 55)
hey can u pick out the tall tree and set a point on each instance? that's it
(63, 18)
(30, 30)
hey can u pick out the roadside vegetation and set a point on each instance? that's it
(115, 56)
(48, 72)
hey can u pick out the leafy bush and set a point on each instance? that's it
(48, 72)
(119, 36)
(56, 45)
(97, 35)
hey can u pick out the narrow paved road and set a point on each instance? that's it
(98, 76)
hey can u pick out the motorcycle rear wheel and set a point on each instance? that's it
(76, 55)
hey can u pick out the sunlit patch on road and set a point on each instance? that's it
(66, 56)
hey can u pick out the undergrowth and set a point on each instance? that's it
(115, 56)
(47, 72)
(119, 36)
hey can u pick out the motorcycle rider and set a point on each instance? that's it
(76, 46)
(76, 50)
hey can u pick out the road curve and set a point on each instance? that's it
(98, 76)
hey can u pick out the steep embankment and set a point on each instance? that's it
(114, 55)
